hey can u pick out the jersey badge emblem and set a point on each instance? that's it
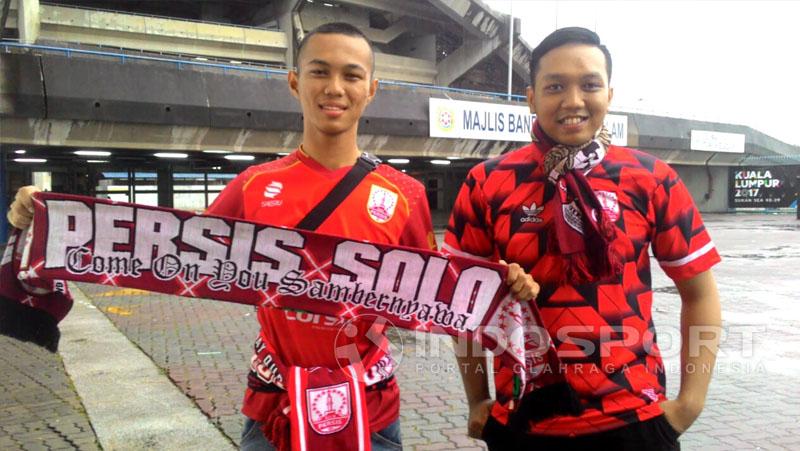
(381, 204)
(610, 203)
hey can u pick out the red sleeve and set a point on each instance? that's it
(418, 230)
(469, 230)
(230, 201)
(680, 240)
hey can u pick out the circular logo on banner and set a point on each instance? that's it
(446, 120)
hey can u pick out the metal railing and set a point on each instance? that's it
(778, 159)
(249, 67)
(5, 45)
(155, 16)
(446, 89)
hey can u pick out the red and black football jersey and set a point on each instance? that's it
(603, 332)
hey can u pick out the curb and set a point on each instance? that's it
(130, 402)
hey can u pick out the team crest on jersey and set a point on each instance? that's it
(610, 203)
(328, 408)
(381, 204)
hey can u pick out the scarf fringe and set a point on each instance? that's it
(612, 261)
(277, 427)
(600, 262)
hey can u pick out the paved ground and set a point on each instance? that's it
(203, 348)
(39, 408)
(129, 401)
(752, 401)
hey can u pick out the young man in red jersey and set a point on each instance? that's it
(579, 215)
(334, 84)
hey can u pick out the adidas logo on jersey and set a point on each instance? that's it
(531, 213)
(270, 192)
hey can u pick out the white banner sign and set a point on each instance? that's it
(498, 122)
(717, 141)
(477, 120)
(617, 126)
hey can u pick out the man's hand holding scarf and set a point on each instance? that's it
(20, 213)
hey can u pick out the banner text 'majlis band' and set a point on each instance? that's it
(177, 252)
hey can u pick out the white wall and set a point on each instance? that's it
(696, 179)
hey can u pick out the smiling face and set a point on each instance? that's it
(570, 95)
(333, 83)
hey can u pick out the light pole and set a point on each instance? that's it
(510, 47)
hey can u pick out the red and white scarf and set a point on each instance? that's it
(176, 252)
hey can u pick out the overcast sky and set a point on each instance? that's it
(725, 61)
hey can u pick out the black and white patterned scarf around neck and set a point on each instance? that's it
(561, 158)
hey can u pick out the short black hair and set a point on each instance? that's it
(336, 28)
(564, 36)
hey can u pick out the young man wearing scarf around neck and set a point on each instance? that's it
(579, 215)
(334, 83)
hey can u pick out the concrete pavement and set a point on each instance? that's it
(128, 400)
(39, 407)
(201, 349)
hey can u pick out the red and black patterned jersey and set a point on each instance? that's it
(387, 207)
(603, 332)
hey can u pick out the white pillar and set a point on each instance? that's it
(28, 21)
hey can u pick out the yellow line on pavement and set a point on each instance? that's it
(119, 311)
(122, 292)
